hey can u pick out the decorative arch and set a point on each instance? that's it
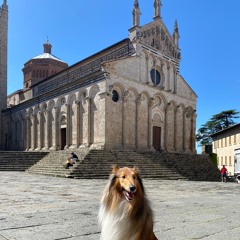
(94, 114)
(142, 121)
(189, 129)
(171, 126)
(71, 98)
(159, 100)
(61, 101)
(119, 88)
(180, 127)
(130, 118)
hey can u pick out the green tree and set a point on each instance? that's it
(216, 123)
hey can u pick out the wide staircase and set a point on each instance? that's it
(155, 165)
(19, 161)
(53, 163)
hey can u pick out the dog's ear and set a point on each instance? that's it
(115, 169)
(136, 170)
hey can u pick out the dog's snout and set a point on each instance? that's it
(132, 188)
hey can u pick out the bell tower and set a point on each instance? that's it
(3, 65)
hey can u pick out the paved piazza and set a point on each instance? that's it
(34, 207)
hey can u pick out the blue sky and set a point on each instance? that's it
(209, 31)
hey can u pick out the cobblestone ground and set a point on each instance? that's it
(34, 207)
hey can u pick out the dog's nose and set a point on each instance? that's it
(132, 188)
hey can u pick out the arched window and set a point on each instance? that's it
(155, 76)
(115, 96)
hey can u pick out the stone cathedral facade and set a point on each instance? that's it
(128, 96)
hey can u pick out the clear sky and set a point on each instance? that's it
(209, 40)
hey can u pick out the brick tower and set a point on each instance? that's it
(3, 66)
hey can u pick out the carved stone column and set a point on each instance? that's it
(124, 102)
(22, 134)
(168, 78)
(40, 130)
(28, 135)
(138, 102)
(175, 128)
(175, 80)
(33, 132)
(47, 129)
(165, 145)
(89, 103)
(193, 143)
(184, 130)
(76, 136)
(147, 70)
(56, 129)
(150, 105)
(68, 126)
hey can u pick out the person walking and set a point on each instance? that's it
(224, 173)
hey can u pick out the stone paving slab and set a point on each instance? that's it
(35, 207)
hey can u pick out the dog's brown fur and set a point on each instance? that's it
(126, 189)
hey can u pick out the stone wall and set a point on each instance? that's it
(3, 67)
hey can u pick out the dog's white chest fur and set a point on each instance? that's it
(115, 225)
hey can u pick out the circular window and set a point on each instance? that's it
(63, 101)
(155, 76)
(115, 96)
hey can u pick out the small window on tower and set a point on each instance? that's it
(115, 96)
(155, 76)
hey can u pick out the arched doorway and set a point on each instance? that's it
(63, 137)
(63, 133)
(156, 138)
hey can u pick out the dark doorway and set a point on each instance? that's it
(63, 138)
(157, 138)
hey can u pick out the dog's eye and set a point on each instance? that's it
(134, 177)
(123, 176)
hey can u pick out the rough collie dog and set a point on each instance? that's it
(125, 213)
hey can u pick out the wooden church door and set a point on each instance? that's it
(157, 138)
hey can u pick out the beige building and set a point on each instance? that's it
(130, 95)
(225, 144)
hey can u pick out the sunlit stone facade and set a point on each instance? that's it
(128, 96)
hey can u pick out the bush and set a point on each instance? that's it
(213, 157)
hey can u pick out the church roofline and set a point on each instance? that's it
(122, 42)
(15, 92)
(188, 85)
(48, 56)
(126, 40)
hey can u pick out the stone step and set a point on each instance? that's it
(19, 161)
(98, 163)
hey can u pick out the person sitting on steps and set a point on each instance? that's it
(74, 157)
(69, 163)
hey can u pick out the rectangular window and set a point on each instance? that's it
(235, 139)
(225, 160)
(230, 161)
(221, 161)
(230, 140)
